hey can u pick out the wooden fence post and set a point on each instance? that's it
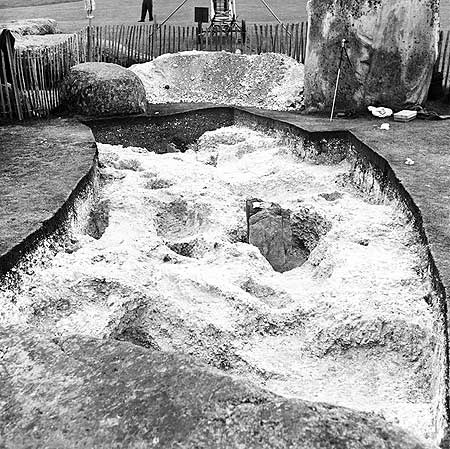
(11, 62)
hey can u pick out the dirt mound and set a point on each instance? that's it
(270, 81)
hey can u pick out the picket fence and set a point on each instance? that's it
(442, 65)
(32, 89)
(131, 44)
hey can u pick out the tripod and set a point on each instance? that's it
(341, 59)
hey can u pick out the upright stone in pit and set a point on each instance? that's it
(391, 46)
(269, 229)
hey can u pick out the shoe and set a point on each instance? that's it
(141, 20)
(151, 19)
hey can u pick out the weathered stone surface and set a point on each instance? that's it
(32, 26)
(43, 168)
(79, 392)
(285, 240)
(269, 229)
(42, 41)
(391, 46)
(99, 89)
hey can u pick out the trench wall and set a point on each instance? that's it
(374, 175)
(370, 172)
(44, 242)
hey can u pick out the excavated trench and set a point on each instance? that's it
(350, 316)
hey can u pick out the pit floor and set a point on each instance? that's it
(426, 143)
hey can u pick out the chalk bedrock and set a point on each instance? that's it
(391, 45)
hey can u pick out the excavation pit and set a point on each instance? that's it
(170, 269)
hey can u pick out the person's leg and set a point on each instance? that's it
(150, 9)
(143, 11)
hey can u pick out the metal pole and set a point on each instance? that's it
(335, 94)
(276, 17)
(172, 13)
(338, 77)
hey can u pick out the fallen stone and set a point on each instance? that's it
(29, 42)
(31, 26)
(80, 392)
(99, 89)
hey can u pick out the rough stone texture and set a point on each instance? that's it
(391, 45)
(270, 81)
(79, 392)
(269, 229)
(100, 89)
(41, 41)
(32, 26)
(285, 240)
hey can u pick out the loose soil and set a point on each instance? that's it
(168, 267)
(269, 81)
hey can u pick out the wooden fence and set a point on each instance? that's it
(443, 59)
(33, 87)
(39, 74)
(10, 100)
(132, 44)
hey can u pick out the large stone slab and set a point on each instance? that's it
(31, 26)
(44, 167)
(391, 46)
(79, 392)
(33, 41)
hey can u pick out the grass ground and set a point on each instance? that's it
(71, 15)
(25, 3)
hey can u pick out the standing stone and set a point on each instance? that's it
(391, 45)
(269, 229)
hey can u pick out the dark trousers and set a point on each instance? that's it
(147, 5)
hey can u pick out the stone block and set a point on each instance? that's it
(391, 46)
(101, 89)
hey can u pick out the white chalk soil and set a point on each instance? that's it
(172, 272)
(270, 80)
